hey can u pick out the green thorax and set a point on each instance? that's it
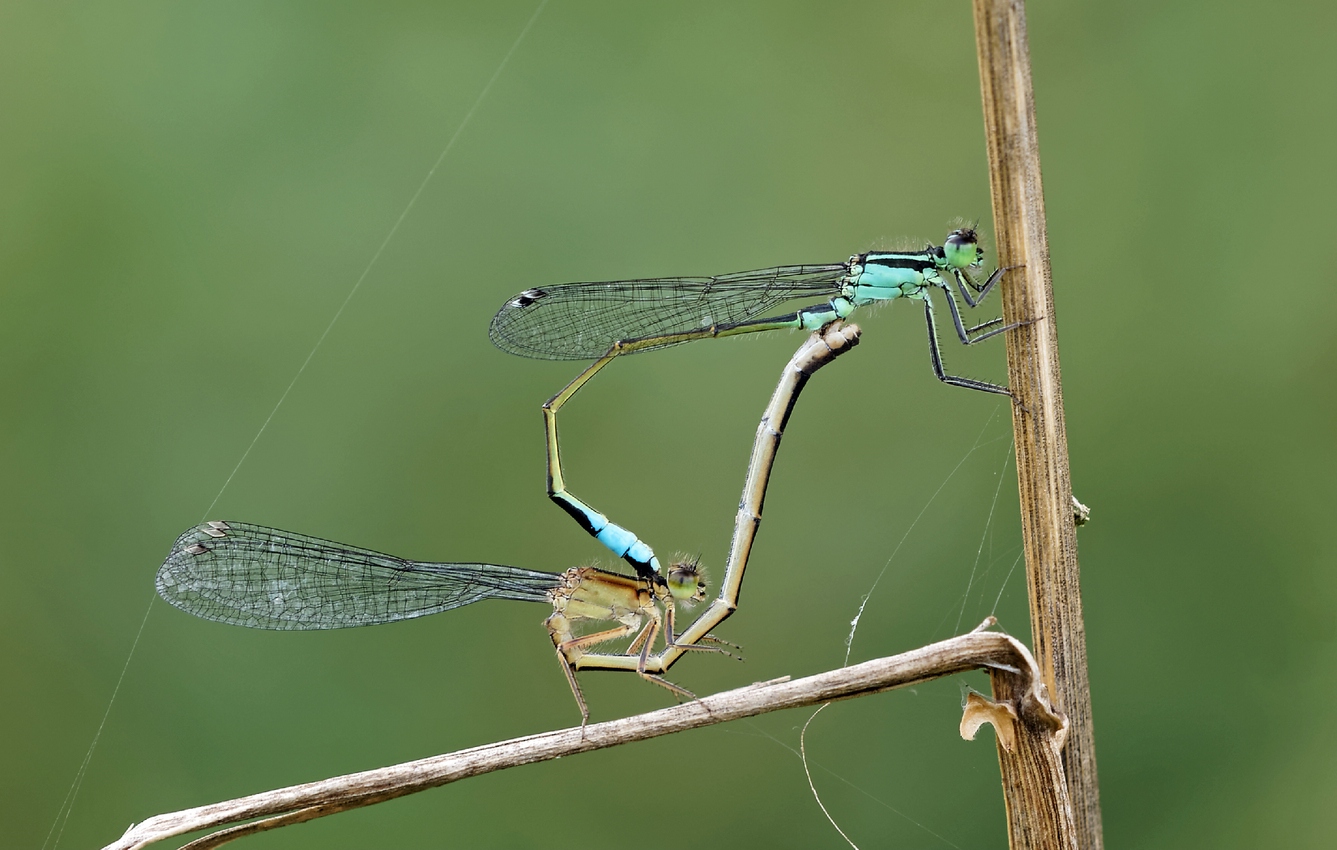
(883, 275)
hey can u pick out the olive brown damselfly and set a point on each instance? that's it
(250, 575)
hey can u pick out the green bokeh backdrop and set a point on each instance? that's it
(191, 191)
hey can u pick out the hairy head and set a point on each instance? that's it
(962, 248)
(686, 580)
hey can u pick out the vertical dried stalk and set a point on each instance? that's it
(1039, 810)
(1050, 539)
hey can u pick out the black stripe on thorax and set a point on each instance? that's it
(917, 260)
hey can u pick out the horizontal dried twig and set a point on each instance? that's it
(1006, 658)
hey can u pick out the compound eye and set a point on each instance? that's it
(963, 237)
(685, 581)
(961, 249)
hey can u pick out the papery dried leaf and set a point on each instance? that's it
(980, 710)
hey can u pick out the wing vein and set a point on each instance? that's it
(250, 575)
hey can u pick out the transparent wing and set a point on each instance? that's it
(580, 321)
(263, 578)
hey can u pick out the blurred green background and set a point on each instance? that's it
(191, 191)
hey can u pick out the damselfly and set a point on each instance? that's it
(250, 575)
(579, 321)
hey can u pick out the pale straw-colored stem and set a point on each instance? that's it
(1005, 657)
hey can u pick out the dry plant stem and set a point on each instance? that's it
(1035, 790)
(1005, 657)
(1041, 441)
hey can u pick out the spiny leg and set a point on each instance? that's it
(665, 683)
(559, 629)
(652, 628)
(964, 333)
(715, 642)
(982, 325)
(595, 638)
(669, 611)
(644, 639)
(569, 669)
(935, 354)
(564, 649)
(710, 643)
(963, 281)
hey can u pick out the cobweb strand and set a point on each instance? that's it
(67, 806)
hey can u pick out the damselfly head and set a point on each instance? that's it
(962, 248)
(686, 580)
